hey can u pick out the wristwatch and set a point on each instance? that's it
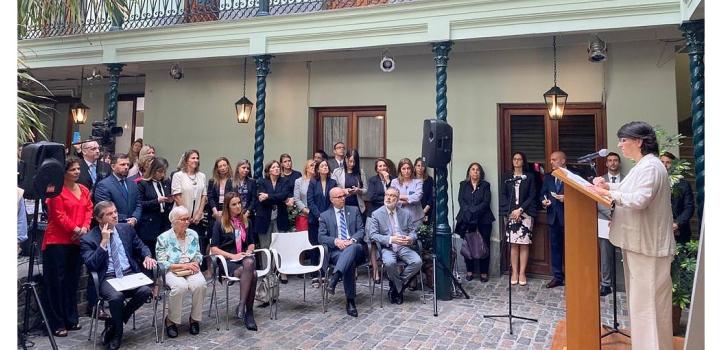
(353, 240)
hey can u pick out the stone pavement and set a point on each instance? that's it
(459, 324)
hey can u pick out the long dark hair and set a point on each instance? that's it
(356, 167)
(157, 163)
(641, 131)
(317, 169)
(482, 171)
(225, 220)
(525, 166)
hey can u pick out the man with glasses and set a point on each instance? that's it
(393, 229)
(92, 169)
(338, 161)
(341, 230)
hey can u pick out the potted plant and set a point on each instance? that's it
(682, 272)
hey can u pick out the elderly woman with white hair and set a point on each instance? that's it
(178, 252)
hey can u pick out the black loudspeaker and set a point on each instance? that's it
(42, 169)
(437, 143)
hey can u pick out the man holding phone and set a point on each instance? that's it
(554, 202)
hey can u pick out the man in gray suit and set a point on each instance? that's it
(338, 159)
(392, 228)
(341, 230)
(607, 264)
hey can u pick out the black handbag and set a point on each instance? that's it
(482, 248)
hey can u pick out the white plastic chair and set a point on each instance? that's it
(226, 278)
(286, 248)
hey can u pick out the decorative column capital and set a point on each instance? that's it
(262, 65)
(114, 68)
(694, 33)
(442, 50)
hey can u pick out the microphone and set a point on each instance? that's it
(517, 178)
(588, 157)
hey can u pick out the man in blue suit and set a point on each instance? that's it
(114, 250)
(121, 191)
(342, 231)
(553, 202)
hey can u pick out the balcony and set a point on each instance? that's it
(143, 14)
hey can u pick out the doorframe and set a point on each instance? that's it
(320, 127)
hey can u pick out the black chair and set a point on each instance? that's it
(401, 264)
(329, 268)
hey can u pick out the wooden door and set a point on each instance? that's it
(361, 128)
(527, 128)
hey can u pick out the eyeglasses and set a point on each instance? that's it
(340, 196)
(183, 219)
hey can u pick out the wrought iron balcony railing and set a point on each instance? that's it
(161, 13)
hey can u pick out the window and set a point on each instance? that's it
(359, 128)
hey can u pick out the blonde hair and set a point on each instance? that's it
(310, 162)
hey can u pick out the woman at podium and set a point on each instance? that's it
(642, 227)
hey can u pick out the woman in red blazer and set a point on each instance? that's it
(69, 217)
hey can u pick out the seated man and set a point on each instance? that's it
(112, 250)
(341, 229)
(392, 228)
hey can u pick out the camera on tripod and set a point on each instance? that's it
(105, 134)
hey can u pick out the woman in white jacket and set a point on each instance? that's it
(642, 226)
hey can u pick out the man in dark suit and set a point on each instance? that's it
(341, 230)
(92, 169)
(607, 263)
(121, 191)
(553, 202)
(338, 159)
(113, 250)
(392, 228)
(682, 201)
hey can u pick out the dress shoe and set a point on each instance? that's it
(115, 342)
(194, 327)
(554, 283)
(605, 290)
(171, 330)
(250, 322)
(400, 296)
(264, 305)
(484, 279)
(333, 282)
(350, 308)
(469, 277)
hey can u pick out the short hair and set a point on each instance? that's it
(69, 161)
(100, 207)
(378, 160)
(640, 131)
(88, 144)
(337, 143)
(322, 154)
(669, 155)
(392, 189)
(612, 154)
(269, 165)
(117, 156)
(177, 211)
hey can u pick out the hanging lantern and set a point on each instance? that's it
(243, 106)
(555, 98)
(79, 110)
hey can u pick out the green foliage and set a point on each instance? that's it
(679, 167)
(682, 272)
(29, 126)
(425, 235)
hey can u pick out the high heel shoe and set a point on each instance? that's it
(250, 322)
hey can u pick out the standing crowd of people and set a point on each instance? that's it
(131, 214)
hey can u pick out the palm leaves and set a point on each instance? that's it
(30, 127)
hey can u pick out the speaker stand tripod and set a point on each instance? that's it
(510, 315)
(615, 327)
(30, 289)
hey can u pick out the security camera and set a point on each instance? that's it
(387, 64)
(597, 50)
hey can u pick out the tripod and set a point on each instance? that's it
(615, 327)
(30, 286)
(509, 315)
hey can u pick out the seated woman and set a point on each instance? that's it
(231, 238)
(178, 251)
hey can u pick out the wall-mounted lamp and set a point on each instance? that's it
(243, 106)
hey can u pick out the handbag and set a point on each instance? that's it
(268, 290)
(183, 272)
(478, 251)
(301, 223)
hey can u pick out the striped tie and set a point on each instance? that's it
(343, 225)
(115, 252)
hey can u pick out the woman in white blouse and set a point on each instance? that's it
(190, 191)
(411, 190)
(642, 226)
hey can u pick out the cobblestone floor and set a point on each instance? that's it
(302, 325)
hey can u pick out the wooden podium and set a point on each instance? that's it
(582, 279)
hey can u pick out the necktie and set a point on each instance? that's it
(93, 172)
(159, 190)
(115, 252)
(391, 214)
(343, 225)
(612, 179)
(124, 187)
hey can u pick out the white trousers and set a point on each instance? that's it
(649, 289)
(195, 284)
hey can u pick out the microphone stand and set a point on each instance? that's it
(509, 315)
(615, 327)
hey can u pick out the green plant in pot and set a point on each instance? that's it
(682, 272)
